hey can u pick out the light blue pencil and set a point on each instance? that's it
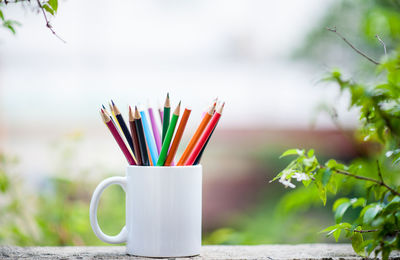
(151, 143)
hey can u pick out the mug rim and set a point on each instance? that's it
(166, 167)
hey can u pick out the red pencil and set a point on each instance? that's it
(118, 138)
(204, 136)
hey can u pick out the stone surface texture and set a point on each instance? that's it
(270, 252)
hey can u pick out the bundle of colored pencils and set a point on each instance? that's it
(144, 145)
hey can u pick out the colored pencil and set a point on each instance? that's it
(204, 136)
(135, 139)
(119, 132)
(166, 117)
(105, 111)
(154, 127)
(151, 144)
(114, 118)
(141, 138)
(168, 136)
(123, 126)
(198, 158)
(177, 138)
(117, 137)
(196, 136)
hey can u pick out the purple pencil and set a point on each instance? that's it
(156, 133)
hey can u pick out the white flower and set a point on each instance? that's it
(389, 153)
(301, 176)
(285, 182)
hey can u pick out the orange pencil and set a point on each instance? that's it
(196, 136)
(177, 138)
(204, 136)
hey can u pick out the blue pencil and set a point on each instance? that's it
(151, 143)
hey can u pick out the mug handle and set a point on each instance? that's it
(94, 203)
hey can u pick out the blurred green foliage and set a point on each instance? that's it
(57, 213)
(376, 227)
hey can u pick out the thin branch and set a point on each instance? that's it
(382, 42)
(352, 46)
(13, 2)
(48, 22)
(379, 171)
(381, 183)
(364, 231)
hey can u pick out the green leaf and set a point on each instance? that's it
(1, 15)
(321, 192)
(336, 234)
(358, 202)
(341, 209)
(54, 5)
(10, 27)
(330, 228)
(4, 182)
(310, 153)
(357, 242)
(331, 163)
(371, 213)
(326, 175)
(338, 202)
(48, 9)
(292, 152)
(333, 228)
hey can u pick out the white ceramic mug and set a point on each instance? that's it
(163, 210)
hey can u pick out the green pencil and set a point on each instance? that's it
(168, 136)
(166, 118)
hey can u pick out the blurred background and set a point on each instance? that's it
(265, 59)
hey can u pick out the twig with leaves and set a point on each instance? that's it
(48, 25)
(45, 7)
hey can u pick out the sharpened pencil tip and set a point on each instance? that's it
(221, 107)
(103, 107)
(112, 102)
(137, 114)
(167, 102)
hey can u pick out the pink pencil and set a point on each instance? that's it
(156, 133)
(117, 137)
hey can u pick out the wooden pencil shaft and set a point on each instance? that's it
(194, 139)
(178, 137)
(142, 141)
(121, 143)
(135, 140)
(151, 143)
(166, 119)
(203, 138)
(198, 158)
(168, 138)
(125, 130)
(154, 127)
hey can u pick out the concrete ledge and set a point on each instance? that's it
(270, 252)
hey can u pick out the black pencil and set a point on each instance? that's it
(142, 139)
(135, 138)
(123, 126)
